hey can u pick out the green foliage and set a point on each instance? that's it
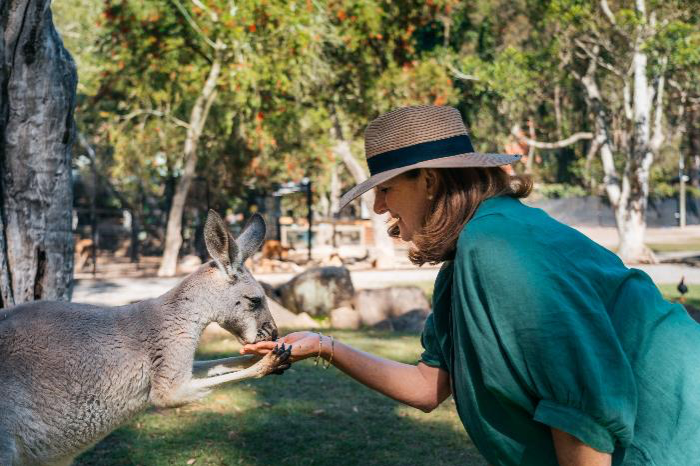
(558, 190)
(293, 70)
(671, 294)
(662, 189)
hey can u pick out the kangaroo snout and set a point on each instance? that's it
(267, 332)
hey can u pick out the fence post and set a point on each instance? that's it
(681, 193)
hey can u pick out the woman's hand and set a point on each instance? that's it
(304, 345)
(423, 387)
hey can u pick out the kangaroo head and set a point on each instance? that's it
(242, 305)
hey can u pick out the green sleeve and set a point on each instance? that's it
(548, 343)
(432, 353)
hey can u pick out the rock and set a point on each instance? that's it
(270, 291)
(412, 321)
(376, 305)
(318, 290)
(283, 318)
(345, 318)
(305, 321)
(287, 319)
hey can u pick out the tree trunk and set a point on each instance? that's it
(627, 196)
(633, 212)
(335, 193)
(37, 100)
(198, 116)
(601, 137)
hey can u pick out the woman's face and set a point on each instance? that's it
(406, 199)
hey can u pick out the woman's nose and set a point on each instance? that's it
(379, 203)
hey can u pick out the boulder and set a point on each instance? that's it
(318, 291)
(283, 318)
(412, 321)
(376, 305)
(270, 291)
(345, 318)
(286, 319)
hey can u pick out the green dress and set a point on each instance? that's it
(541, 327)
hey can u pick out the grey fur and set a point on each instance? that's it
(71, 373)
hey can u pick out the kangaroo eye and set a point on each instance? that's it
(255, 301)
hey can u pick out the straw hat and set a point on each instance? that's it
(418, 137)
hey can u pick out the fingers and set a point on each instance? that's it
(261, 348)
(260, 352)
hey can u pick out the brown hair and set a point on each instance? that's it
(459, 192)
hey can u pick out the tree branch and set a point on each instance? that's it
(627, 99)
(157, 113)
(517, 132)
(608, 13)
(214, 16)
(658, 136)
(595, 56)
(460, 75)
(216, 46)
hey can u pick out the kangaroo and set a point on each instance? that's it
(71, 373)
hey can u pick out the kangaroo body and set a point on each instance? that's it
(71, 373)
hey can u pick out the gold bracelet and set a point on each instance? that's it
(328, 363)
(318, 356)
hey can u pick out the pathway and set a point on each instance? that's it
(119, 291)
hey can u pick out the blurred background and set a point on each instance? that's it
(260, 106)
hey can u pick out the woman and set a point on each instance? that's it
(553, 350)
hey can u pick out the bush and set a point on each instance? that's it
(560, 190)
(663, 189)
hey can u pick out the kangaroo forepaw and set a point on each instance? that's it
(283, 354)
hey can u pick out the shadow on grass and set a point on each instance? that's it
(307, 416)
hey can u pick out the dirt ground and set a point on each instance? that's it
(670, 235)
(119, 291)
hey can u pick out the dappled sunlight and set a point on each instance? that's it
(307, 416)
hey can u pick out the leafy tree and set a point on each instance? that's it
(295, 84)
(178, 64)
(623, 56)
(613, 61)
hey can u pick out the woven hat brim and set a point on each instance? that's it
(473, 159)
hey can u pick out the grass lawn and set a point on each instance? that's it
(671, 293)
(307, 416)
(693, 244)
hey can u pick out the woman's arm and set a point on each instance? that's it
(420, 386)
(573, 452)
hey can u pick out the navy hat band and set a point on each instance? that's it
(417, 153)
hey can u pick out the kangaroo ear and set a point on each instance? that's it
(252, 237)
(221, 245)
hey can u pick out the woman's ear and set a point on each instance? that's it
(430, 177)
